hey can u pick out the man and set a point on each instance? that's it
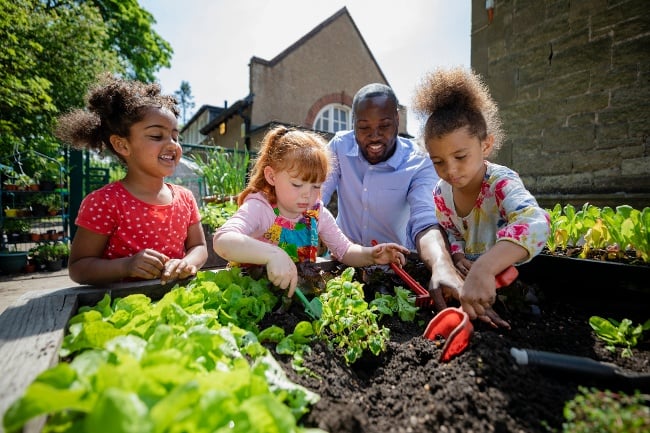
(385, 185)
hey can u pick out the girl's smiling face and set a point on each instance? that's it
(152, 146)
(458, 157)
(294, 195)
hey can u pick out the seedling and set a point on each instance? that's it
(616, 333)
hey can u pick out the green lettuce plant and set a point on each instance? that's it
(616, 333)
(613, 230)
(190, 362)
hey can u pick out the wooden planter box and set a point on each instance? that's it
(32, 329)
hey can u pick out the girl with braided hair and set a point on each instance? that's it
(281, 216)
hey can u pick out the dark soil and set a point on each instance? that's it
(407, 389)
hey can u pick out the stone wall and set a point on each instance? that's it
(572, 79)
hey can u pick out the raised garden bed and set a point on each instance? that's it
(406, 388)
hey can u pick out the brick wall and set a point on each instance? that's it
(572, 80)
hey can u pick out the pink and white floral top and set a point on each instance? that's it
(504, 210)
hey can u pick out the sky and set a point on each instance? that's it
(214, 40)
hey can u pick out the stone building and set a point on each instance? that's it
(572, 79)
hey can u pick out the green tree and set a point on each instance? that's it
(185, 98)
(52, 50)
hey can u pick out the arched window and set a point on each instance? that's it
(333, 118)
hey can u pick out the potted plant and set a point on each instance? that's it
(52, 203)
(35, 185)
(17, 230)
(23, 181)
(51, 254)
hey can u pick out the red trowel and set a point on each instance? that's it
(453, 323)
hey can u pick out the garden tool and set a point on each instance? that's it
(422, 296)
(582, 367)
(453, 323)
(454, 326)
(313, 308)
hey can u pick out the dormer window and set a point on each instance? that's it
(333, 118)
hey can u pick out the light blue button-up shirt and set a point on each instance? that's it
(391, 201)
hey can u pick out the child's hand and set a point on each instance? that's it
(282, 271)
(176, 269)
(147, 264)
(478, 295)
(389, 252)
(462, 263)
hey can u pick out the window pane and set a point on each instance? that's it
(333, 118)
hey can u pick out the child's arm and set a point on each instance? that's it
(380, 254)
(239, 247)
(87, 266)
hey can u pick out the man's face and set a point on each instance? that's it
(375, 128)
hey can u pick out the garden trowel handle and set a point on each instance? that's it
(564, 363)
(507, 276)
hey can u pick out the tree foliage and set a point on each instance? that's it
(54, 49)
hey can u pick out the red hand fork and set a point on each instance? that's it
(422, 296)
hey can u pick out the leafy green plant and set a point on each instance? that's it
(593, 411)
(179, 364)
(616, 333)
(348, 322)
(403, 303)
(224, 171)
(23, 181)
(638, 232)
(214, 215)
(49, 251)
(606, 229)
(13, 225)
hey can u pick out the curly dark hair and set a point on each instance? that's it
(456, 98)
(113, 105)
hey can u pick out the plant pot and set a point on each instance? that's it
(29, 268)
(47, 185)
(54, 265)
(12, 262)
(35, 237)
(39, 210)
(11, 213)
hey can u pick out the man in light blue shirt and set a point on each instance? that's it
(385, 187)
